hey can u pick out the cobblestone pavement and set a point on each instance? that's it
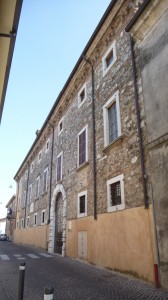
(71, 279)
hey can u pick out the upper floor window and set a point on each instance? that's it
(82, 204)
(59, 167)
(109, 58)
(112, 122)
(47, 146)
(30, 194)
(45, 180)
(83, 146)
(60, 126)
(24, 199)
(27, 223)
(32, 167)
(39, 156)
(37, 186)
(82, 95)
(115, 193)
(26, 174)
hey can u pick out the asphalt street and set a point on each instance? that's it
(70, 278)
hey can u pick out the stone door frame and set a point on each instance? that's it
(58, 189)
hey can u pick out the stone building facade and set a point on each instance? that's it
(81, 188)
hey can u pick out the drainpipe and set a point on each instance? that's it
(52, 151)
(26, 196)
(93, 141)
(144, 176)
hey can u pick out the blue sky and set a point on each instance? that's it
(51, 36)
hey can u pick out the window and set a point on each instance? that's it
(83, 146)
(24, 199)
(82, 95)
(115, 193)
(26, 174)
(43, 217)
(27, 223)
(109, 58)
(60, 126)
(32, 167)
(35, 219)
(22, 223)
(82, 204)
(45, 180)
(39, 156)
(30, 194)
(37, 186)
(111, 116)
(47, 146)
(59, 167)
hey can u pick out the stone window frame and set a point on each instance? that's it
(32, 167)
(37, 186)
(24, 199)
(43, 217)
(45, 180)
(22, 223)
(60, 126)
(112, 49)
(60, 178)
(110, 208)
(26, 174)
(82, 215)
(28, 221)
(113, 99)
(30, 194)
(80, 100)
(39, 156)
(86, 146)
(35, 219)
(47, 145)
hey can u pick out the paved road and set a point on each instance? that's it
(71, 279)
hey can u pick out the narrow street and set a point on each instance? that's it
(71, 279)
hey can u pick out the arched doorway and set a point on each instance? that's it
(57, 226)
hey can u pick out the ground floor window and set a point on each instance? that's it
(115, 193)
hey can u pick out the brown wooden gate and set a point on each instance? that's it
(58, 223)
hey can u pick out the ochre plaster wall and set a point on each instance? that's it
(36, 236)
(121, 241)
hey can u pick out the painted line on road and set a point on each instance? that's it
(32, 255)
(45, 255)
(4, 257)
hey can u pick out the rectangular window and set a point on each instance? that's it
(82, 95)
(82, 146)
(32, 167)
(39, 156)
(37, 186)
(30, 194)
(27, 223)
(24, 199)
(26, 174)
(35, 219)
(22, 223)
(109, 58)
(60, 126)
(59, 167)
(112, 122)
(47, 146)
(45, 180)
(43, 217)
(115, 193)
(82, 204)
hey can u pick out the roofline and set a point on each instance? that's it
(11, 200)
(17, 13)
(137, 15)
(105, 15)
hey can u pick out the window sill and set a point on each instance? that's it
(116, 142)
(81, 167)
(116, 208)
